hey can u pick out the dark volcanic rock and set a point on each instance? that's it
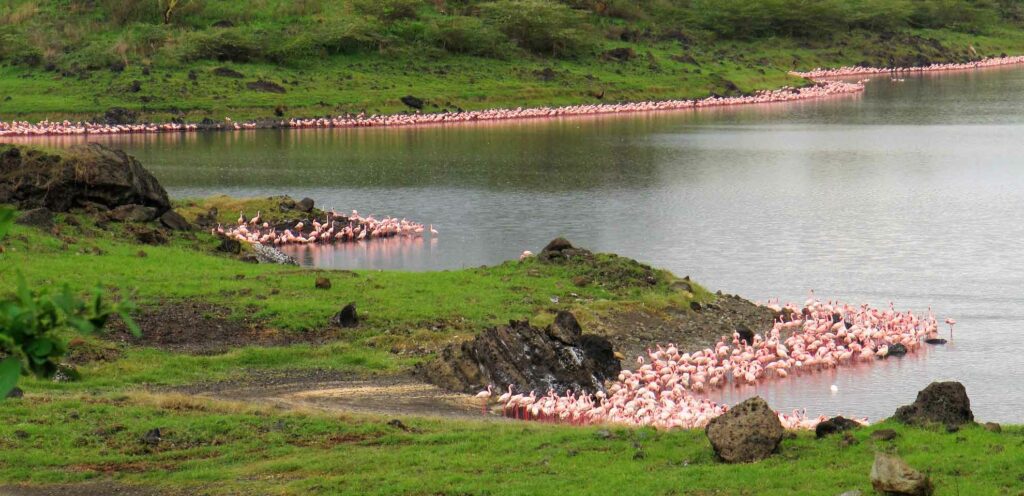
(265, 86)
(86, 176)
(884, 435)
(834, 425)
(228, 72)
(132, 213)
(347, 317)
(558, 244)
(748, 432)
(897, 349)
(323, 283)
(152, 437)
(528, 358)
(174, 221)
(935, 341)
(40, 217)
(413, 102)
(228, 245)
(117, 116)
(745, 333)
(305, 205)
(941, 402)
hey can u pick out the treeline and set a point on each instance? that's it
(99, 33)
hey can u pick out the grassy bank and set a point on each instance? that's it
(268, 59)
(223, 448)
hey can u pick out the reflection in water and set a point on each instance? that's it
(908, 194)
(380, 253)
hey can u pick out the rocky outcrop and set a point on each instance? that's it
(174, 221)
(834, 425)
(41, 218)
(86, 176)
(559, 357)
(347, 317)
(748, 432)
(944, 403)
(891, 475)
(271, 255)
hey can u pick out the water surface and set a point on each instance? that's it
(911, 193)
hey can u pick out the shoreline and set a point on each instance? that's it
(822, 87)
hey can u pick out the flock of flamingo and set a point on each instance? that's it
(336, 228)
(858, 71)
(667, 389)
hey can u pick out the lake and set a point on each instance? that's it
(912, 193)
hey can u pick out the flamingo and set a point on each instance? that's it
(484, 396)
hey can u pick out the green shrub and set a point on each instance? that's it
(540, 26)
(31, 323)
(232, 45)
(470, 35)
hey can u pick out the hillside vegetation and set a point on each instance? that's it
(211, 58)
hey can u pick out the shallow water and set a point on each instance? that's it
(911, 193)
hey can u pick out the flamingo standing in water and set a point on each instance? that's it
(484, 397)
(951, 322)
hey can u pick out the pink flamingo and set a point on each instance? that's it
(484, 397)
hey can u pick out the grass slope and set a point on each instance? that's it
(77, 59)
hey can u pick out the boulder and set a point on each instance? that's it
(347, 317)
(323, 283)
(559, 357)
(935, 341)
(897, 349)
(152, 437)
(40, 217)
(89, 176)
(993, 427)
(834, 425)
(174, 221)
(745, 333)
(941, 402)
(884, 435)
(305, 205)
(132, 213)
(891, 475)
(748, 432)
(558, 244)
(228, 245)
(412, 102)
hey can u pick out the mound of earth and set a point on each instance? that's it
(87, 175)
(559, 357)
(633, 329)
(203, 329)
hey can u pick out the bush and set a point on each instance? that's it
(30, 324)
(388, 10)
(540, 26)
(469, 35)
(227, 45)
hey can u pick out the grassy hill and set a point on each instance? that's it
(192, 59)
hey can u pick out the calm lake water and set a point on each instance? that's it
(911, 193)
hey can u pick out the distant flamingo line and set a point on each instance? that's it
(666, 390)
(785, 94)
(336, 228)
(860, 71)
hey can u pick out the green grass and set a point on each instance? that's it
(221, 448)
(70, 49)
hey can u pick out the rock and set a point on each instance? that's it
(132, 213)
(565, 328)
(620, 54)
(207, 220)
(558, 244)
(174, 221)
(745, 333)
(834, 425)
(85, 176)
(580, 281)
(897, 349)
(347, 317)
(305, 205)
(398, 424)
(271, 255)
(526, 357)
(891, 475)
(117, 116)
(884, 435)
(66, 373)
(41, 218)
(151, 437)
(855, 492)
(265, 86)
(146, 235)
(941, 402)
(935, 341)
(323, 283)
(748, 432)
(16, 393)
(228, 245)
(412, 102)
(993, 427)
(228, 72)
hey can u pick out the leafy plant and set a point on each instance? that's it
(31, 323)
